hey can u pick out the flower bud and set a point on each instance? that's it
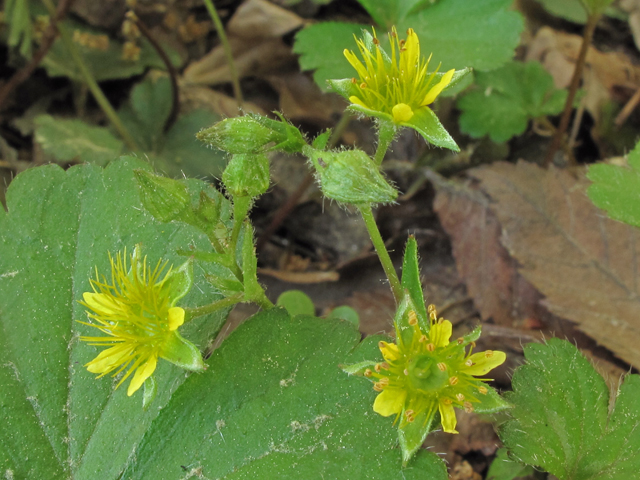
(247, 175)
(350, 176)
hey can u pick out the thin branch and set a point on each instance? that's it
(573, 88)
(48, 38)
(173, 74)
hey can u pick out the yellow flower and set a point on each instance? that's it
(137, 312)
(397, 88)
(425, 373)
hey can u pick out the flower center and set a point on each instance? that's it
(426, 373)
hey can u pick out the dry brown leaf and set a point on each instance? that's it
(255, 33)
(194, 97)
(499, 292)
(301, 277)
(585, 264)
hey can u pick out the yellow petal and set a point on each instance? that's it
(448, 415)
(390, 401)
(390, 351)
(402, 113)
(101, 303)
(440, 333)
(175, 317)
(483, 362)
(142, 373)
(355, 63)
(438, 87)
(109, 359)
(357, 101)
(410, 57)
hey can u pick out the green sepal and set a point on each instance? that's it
(411, 281)
(404, 331)
(350, 176)
(413, 434)
(179, 281)
(164, 198)
(182, 353)
(343, 87)
(458, 77)
(426, 123)
(358, 368)
(321, 141)
(491, 402)
(149, 393)
(247, 175)
(293, 140)
(223, 279)
(472, 336)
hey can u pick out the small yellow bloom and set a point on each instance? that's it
(397, 86)
(425, 373)
(136, 310)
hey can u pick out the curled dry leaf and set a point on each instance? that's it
(585, 264)
(255, 33)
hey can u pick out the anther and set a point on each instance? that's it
(440, 320)
(353, 80)
(460, 397)
(413, 318)
(384, 381)
(409, 415)
(469, 363)
(431, 307)
(447, 401)
(368, 372)
(406, 371)
(363, 85)
(384, 365)
(460, 341)
(423, 338)
(402, 42)
(376, 41)
(453, 380)
(488, 353)
(483, 390)
(468, 407)
(473, 344)
(377, 367)
(442, 366)
(431, 347)
(377, 387)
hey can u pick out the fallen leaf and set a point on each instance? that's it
(195, 97)
(301, 277)
(585, 264)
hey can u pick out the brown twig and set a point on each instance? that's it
(287, 207)
(573, 88)
(629, 107)
(173, 74)
(48, 38)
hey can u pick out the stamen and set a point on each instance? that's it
(440, 320)
(488, 353)
(384, 365)
(431, 347)
(483, 390)
(423, 338)
(376, 42)
(447, 401)
(453, 380)
(469, 363)
(431, 308)
(409, 415)
(402, 42)
(442, 366)
(368, 372)
(353, 80)
(377, 387)
(413, 318)
(460, 341)
(460, 397)
(406, 371)
(384, 381)
(377, 367)
(363, 85)
(468, 407)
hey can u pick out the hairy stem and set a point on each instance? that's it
(235, 79)
(386, 133)
(382, 252)
(91, 83)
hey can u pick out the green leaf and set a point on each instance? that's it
(572, 10)
(104, 65)
(411, 281)
(615, 189)
(74, 140)
(346, 313)
(562, 421)
(273, 404)
(388, 13)
(482, 35)
(58, 420)
(296, 302)
(503, 468)
(17, 18)
(506, 99)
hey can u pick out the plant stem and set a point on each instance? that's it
(558, 138)
(191, 313)
(91, 83)
(386, 133)
(235, 79)
(381, 250)
(173, 74)
(241, 207)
